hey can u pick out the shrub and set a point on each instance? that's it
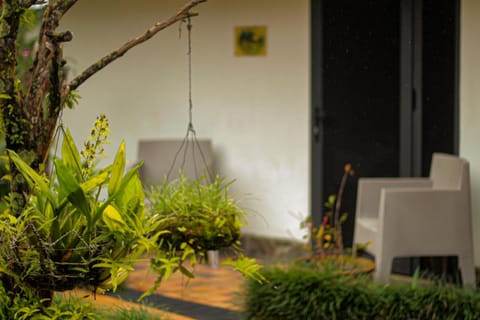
(25, 306)
(305, 294)
(139, 313)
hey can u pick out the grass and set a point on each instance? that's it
(298, 293)
(139, 313)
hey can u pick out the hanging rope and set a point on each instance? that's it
(191, 135)
(189, 54)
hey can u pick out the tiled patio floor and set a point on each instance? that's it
(214, 293)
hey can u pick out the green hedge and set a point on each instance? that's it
(305, 294)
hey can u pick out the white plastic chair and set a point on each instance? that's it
(408, 217)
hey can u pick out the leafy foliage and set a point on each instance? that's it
(328, 237)
(27, 306)
(77, 225)
(64, 307)
(308, 294)
(325, 242)
(193, 217)
(84, 227)
(197, 213)
(67, 236)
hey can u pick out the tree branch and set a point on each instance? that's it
(64, 5)
(47, 44)
(46, 81)
(157, 27)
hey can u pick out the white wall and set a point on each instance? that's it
(255, 109)
(470, 104)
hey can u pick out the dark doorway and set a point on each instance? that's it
(384, 93)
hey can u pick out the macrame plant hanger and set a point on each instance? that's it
(190, 141)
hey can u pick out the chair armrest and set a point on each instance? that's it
(368, 194)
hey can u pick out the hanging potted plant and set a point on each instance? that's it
(197, 213)
(326, 251)
(71, 233)
(192, 217)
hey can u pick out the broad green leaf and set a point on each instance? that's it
(130, 198)
(70, 155)
(126, 179)
(94, 182)
(69, 183)
(32, 177)
(100, 209)
(78, 199)
(117, 170)
(112, 218)
(65, 177)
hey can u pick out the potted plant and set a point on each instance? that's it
(80, 226)
(197, 213)
(325, 247)
(192, 217)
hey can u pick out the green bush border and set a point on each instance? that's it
(306, 294)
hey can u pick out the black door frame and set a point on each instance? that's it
(410, 112)
(317, 112)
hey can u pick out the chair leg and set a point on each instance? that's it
(466, 266)
(383, 268)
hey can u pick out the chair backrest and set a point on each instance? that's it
(159, 156)
(449, 172)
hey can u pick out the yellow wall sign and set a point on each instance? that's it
(251, 41)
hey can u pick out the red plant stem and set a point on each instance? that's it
(338, 204)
